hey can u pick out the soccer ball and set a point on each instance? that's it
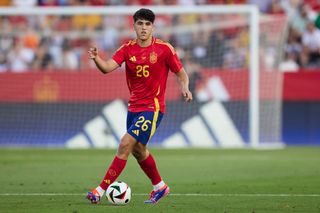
(118, 193)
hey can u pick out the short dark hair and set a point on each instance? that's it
(144, 14)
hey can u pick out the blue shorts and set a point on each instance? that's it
(142, 125)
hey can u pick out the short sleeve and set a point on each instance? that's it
(119, 55)
(173, 61)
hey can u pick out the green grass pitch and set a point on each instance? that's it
(201, 180)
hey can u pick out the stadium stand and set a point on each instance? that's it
(34, 50)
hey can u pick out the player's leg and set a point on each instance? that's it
(147, 124)
(119, 162)
(125, 148)
(148, 165)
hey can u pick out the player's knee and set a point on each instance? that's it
(124, 149)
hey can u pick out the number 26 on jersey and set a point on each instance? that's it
(142, 70)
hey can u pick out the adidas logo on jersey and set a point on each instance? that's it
(136, 132)
(133, 58)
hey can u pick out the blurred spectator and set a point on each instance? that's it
(55, 49)
(215, 1)
(199, 51)
(183, 38)
(116, 2)
(311, 41)
(215, 49)
(314, 4)
(5, 3)
(234, 57)
(24, 3)
(69, 57)
(3, 62)
(317, 21)
(262, 5)
(20, 57)
(170, 2)
(98, 2)
(110, 37)
(293, 45)
(186, 2)
(62, 24)
(48, 3)
(226, 1)
(304, 58)
(30, 39)
(6, 42)
(63, 2)
(303, 15)
(42, 59)
(275, 8)
(18, 23)
(140, 2)
(290, 63)
(85, 22)
(291, 7)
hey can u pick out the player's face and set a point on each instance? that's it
(143, 29)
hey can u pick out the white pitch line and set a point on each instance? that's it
(249, 195)
(173, 194)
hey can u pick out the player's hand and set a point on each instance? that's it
(187, 95)
(93, 52)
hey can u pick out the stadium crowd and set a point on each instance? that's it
(61, 42)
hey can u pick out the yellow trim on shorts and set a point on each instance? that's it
(155, 117)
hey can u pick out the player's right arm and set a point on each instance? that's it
(104, 66)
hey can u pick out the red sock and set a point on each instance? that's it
(113, 172)
(150, 168)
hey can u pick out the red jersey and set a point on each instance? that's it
(147, 71)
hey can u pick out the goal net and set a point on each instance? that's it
(56, 96)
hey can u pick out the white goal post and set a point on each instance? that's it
(254, 67)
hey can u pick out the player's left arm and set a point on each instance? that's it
(184, 84)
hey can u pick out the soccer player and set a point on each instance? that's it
(148, 61)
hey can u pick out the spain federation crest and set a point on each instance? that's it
(153, 57)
